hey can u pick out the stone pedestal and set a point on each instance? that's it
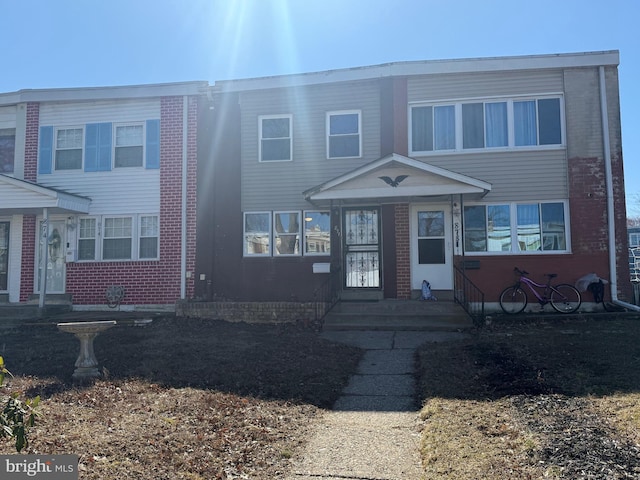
(86, 332)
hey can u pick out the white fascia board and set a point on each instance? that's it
(424, 67)
(105, 93)
(388, 192)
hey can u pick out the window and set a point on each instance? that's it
(275, 138)
(7, 149)
(486, 124)
(112, 238)
(149, 235)
(280, 233)
(434, 128)
(634, 239)
(87, 239)
(257, 233)
(118, 237)
(68, 148)
(286, 233)
(317, 233)
(513, 228)
(129, 145)
(343, 134)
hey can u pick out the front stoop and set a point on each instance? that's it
(398, 315)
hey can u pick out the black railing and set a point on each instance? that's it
(328, 294)
(469, 296)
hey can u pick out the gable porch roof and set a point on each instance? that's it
(397, 178)
(24, 197)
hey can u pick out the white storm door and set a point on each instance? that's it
(56, 264)
(431, 247)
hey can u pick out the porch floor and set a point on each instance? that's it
(442, 315)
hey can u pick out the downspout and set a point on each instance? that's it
(609, 184)
(183, 233)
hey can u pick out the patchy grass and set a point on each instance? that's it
(183, 398)
(544, 400)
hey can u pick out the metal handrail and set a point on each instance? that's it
(469, 296)
(327, 294)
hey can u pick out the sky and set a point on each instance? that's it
(85, 43)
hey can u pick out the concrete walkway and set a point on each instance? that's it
(372, 433)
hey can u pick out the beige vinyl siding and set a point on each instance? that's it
(279, 185)
(513, 175)
(430, 88)
(8, 117)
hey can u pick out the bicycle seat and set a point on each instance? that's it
(551, 275)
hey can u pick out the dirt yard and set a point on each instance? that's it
(181, 398)
(529, 401)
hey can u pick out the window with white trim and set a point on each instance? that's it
(496, 123)
(516, 227)
(286, 233)
(7, 149)
(128, 145)
(149, 237)
(257, 234)
(317, 232)
(112, 238)
(68, 148)
(117, 238)
(276, 139)
(344, 138)
(87, 235)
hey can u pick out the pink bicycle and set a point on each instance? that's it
(564, 298)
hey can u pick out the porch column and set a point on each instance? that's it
(44, 255)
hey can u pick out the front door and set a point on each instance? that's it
(56, 267)
(361, 237)
(431, 247)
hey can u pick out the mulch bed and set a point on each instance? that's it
(181, 398)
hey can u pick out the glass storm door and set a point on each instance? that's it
(431, 247)
(56, 256)
(361, 236)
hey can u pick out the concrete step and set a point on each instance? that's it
(397, 315)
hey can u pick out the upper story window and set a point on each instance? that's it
(344, 138)
(486, 124)
(516, 228)
(275, 138)
(7, 149)
(129, 145)
(68, 148)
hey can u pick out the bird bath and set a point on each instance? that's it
(86, 332)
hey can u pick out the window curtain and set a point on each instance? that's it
(496, 124)
(528, 227)
(422, 129)
(445, 127)
(524, 120)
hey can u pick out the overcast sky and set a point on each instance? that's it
(82, 43)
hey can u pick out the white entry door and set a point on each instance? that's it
(56, 266)
(431, 247)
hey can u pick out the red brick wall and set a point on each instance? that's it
(403, 257)
(31, 142)
(27, 270)
(154, 282)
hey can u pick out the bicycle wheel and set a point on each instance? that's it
(513, 300)
(565, 298)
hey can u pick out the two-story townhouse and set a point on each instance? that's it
(394, 174)
(97, 190)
